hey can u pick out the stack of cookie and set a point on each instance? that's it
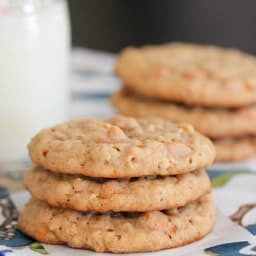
(212, 88)
(119, 185)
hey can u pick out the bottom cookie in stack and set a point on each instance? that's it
(233, 131)
(136, 203)
(119, 232)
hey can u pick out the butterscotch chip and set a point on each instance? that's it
(189, 73)
(135, 194)
(119, 232)
(121, 147)
(213, 122)
(235, 149)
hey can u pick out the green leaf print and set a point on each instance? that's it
(37, 247)
(222, 179)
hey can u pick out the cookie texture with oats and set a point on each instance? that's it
(121, 147)
(190, 73)
(235, 149)
(212, 122)
(140, 194)
(119, 232)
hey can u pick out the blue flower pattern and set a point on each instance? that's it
(5, 252)
(232, 249)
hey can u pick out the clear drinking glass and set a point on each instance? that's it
(34, 71)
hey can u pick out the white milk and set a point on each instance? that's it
(34, 71)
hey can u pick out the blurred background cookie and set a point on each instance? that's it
(210, 87)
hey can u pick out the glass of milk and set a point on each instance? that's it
(34, 71)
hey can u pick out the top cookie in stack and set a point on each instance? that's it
(119, 185)
(121, 147)
(210, 87)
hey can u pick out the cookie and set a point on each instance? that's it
(213, 122)
(141, 194)
(189, 73)
(121, 147)
(118, 232)
(237, 149)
